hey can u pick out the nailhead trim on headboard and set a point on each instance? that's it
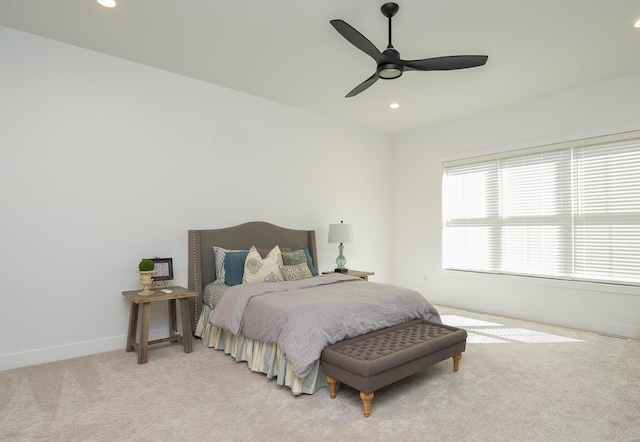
(195, 275)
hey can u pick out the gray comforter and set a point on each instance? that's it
(303, 317)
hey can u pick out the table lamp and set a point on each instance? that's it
(340, 233)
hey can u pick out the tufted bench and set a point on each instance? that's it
(375, 360)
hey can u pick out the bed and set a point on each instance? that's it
(263, 333)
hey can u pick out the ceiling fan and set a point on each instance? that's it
(389, 64)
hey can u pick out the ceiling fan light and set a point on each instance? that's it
(108, 3)
(389, 71)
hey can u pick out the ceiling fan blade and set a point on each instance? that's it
(362, 86)
(357, 39)
(445, 63)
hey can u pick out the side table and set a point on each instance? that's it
(144, 301)
(357, 273)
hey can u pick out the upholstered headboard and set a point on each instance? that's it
(241, 237)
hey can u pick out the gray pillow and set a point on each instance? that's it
(312, 269)
(296, 272)
(293, 258)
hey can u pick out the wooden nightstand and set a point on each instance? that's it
(356, 273)
(137, 301)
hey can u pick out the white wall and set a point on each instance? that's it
(104, 161)
(603, 108)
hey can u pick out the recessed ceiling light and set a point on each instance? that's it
(637, 24)
(394, 105)
(108, 3)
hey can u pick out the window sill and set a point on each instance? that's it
(621, 289)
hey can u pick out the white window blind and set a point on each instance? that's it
(607, 215)
(570, 212)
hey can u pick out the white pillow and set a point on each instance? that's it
(257, 269)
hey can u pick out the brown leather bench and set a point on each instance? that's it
(375, 360)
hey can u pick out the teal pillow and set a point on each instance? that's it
(234, 267)
(313, 270)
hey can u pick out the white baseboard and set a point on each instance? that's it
(547, 317)
(75, 350)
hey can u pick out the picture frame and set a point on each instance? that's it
(163, 269)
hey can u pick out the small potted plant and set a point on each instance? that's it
(145, 269)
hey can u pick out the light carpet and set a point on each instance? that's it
(584, 389)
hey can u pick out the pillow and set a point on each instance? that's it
(293, 258)
(264, 252)
(234, 267)
(313, 270)
(257, 269)
(218, 261)
(296, 271)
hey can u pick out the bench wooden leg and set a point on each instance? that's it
(366, 403)
(333, 384)
(456, 361)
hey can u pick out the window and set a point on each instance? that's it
(570, 211)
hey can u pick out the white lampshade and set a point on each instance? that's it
(341, 233)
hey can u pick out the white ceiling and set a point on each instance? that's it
(286, 50)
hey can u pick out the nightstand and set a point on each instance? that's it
(144, 301)
(356, 273)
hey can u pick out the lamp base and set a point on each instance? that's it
(341, 270)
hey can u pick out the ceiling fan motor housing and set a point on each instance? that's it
(390, 68)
